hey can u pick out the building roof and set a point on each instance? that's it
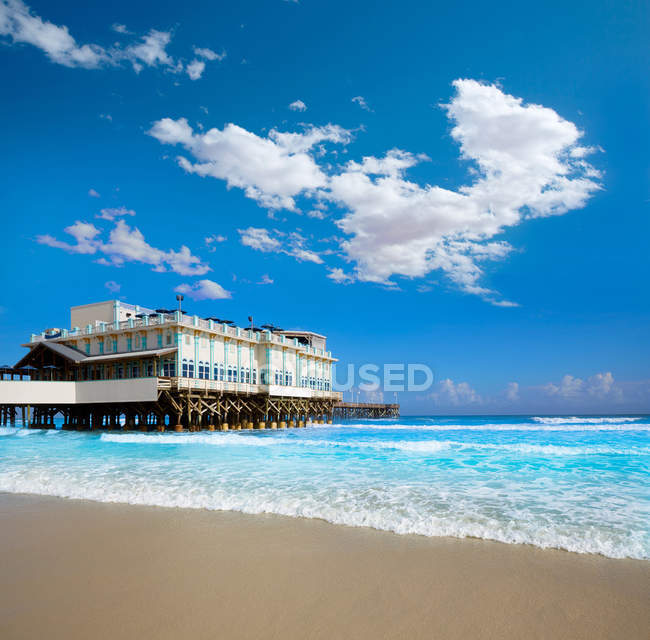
(150, 353)
(300, 332)
(69, 353)
(78, 357)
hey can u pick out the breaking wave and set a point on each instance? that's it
(551, 482)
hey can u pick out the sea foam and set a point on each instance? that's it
(583, 487)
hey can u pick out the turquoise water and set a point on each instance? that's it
(581, 484)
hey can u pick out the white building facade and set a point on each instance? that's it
(117, 341)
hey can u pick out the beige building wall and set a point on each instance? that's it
(86, 314)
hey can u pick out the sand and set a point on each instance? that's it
(76, 569)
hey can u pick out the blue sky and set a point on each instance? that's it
(463, 185)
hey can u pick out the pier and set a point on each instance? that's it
(123, 366)
(365, 410)
(157, 404)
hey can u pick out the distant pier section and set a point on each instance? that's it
(365, 410)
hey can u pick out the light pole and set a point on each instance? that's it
(180, 297)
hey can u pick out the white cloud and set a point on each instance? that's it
(305, 255)
(93, 194)
(121, 28)
(213, 240)
(21, 25)
(275, 241)
(112, 286)
(18, 23)
(209, 54)
(112, 213)
(203, 290)
(83, 232)
(150, 51)
(259, 239)
(298, 105)
(195, 69)
(126, 244)
(450, 393)
(266, 279)
(361, 101)
(525, 162)
(600, 385)
(272, 170)
(512, 391)
(338, 275)
(529, 165)
(571, 395)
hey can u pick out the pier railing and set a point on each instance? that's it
(199, 384)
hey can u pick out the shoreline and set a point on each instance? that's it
(78, 569)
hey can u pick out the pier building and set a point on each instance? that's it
(127, 366)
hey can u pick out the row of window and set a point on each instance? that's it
(318, 384)
(133, 343)
(248, 376)
(230, 373)
(126, 370)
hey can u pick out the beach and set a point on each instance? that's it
(82, 569)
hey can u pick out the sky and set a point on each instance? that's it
(460, 185)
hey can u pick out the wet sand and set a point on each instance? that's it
(77, 569)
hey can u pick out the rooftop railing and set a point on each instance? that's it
(177, 318)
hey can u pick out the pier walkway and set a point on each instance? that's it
(365, 410)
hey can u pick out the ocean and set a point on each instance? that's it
(575, 483)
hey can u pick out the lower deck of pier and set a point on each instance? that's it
(177, 410)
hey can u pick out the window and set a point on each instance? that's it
(137, 341)
(187, 339)
(254, 376)
(101, 346)
(278, 377)
(169, 368)
(120, 371)
(129, 343)
(150, 369)
(169, 337)
(135, 371)
(88, 348)
(115, 345)
(160, 340)
(264, 377)
(188, 368)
